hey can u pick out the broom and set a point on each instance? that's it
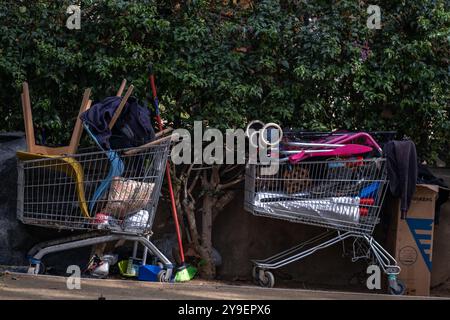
(184, 272)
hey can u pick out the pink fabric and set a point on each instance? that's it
(352, 136)
(345, 151)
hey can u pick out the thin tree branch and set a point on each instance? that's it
(194, 182)
(186, 180)
(230, 168)
(229, 184)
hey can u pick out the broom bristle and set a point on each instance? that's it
(185, 274)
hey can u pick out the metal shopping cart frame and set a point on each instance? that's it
(49, 196)
(325, 198)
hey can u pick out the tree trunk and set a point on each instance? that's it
(214, 198)
(209, 269)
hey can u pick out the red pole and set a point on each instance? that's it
(169, 179)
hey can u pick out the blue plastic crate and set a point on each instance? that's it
(149, 272)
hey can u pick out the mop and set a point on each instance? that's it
(184, 272)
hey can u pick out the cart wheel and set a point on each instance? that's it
(162, 276)
(31, 270)
(268, 280)
(36, 268)
(400, 291)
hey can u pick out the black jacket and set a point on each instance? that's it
(401, 162)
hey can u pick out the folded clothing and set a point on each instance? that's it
(128, 196)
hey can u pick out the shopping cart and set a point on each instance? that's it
(343, 196)
(57, 192)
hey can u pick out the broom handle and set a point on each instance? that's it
(169, 179)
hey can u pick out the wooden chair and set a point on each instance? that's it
(68, 165)
(29, 126)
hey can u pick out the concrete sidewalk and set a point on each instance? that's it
(24, 286)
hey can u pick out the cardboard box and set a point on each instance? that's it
(411, 239)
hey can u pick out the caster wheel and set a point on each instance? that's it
(400, 291)
(267, 281)
(162, 276)
(36, 268)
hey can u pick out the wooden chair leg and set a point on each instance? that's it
(121, 88)
(28, 118)
(78, 128)
(120, 107)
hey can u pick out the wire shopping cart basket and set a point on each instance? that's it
(343, 196)
(58, 192)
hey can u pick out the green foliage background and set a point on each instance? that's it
(295, 62)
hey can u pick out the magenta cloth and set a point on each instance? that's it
(349, 137)
(345, 151)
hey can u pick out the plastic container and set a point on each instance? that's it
(130, 269)
(123, 268)
(149, 272)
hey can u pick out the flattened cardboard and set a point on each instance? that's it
(411, 239)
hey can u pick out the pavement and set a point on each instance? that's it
(24, 286)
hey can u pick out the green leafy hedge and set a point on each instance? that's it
(305, 64)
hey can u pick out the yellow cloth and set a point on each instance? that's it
(67, 165)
